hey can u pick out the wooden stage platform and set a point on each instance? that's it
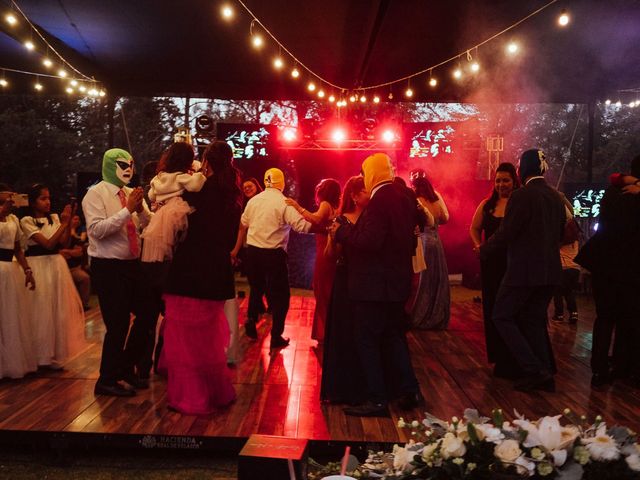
(279, 395)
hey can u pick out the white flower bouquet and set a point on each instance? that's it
(479, 448)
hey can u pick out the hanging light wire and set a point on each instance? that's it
(49, 46)
(406, 77)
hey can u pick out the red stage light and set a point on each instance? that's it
(339, 135)
(289, 135)
(388, 136)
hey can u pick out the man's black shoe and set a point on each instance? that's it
(136, 382)
(279, 342)
(250, 330)
(368, 409)
(600, 380)
(116, 390)
(540, 381)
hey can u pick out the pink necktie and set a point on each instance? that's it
(131, 228)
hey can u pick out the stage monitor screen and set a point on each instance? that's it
(430, 140)
(586, 201)
(249, 141)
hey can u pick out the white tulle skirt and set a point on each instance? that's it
(16, 347)
(56, 314)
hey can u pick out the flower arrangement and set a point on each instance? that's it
(479, 448)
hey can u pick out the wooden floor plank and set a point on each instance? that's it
(279, 394)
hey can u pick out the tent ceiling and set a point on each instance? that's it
(158, 47)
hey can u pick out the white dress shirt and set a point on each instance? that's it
(269, 220)
(107, 219)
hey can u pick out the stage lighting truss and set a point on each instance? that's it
(345, 145)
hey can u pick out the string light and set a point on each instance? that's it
(563, 19)
(29, 45)
(38, 86)
(278, 63)
(311, 86)
(73, 83)
(332, 98)
(69, 90)
(47, 62)
(376, 99)
(62, 73)
(475, 67)
(82, 88)
(363, 99)
(321, 93)
(227, 12)
(257, 41)
(408, 92)
(11, 19)
(618, 103)
(102, 93)
(607, 102)
(4, 83)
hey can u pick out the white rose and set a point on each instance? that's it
(489, 433)
(634, 462)
(452, 446)
(507, 451)
(402, 458)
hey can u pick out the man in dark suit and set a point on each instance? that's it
(612, 256)
(532, 229)
(381, 245)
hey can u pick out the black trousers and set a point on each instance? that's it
(382, 346)
(155, 277)
(520, 316)
(121, 291)
(616, 308)
(567, 290)
(267, 272)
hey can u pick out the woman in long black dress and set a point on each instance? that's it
(342, 377)
(485, 222)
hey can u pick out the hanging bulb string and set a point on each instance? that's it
(38, 74)
(406, 77)
(49, 46)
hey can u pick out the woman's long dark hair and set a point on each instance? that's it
(34, 192)
(219, 156)
(328, 190)
(492, 201)
(423, 188)
(177, 158)
(353, 186)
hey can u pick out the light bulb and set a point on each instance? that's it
(295, 73)
(93, 92)
(457, 73)
(278, 63)
(332, 98)
(73, 83)
(3, 82)
(257, 41)
(433, 82)
(62, 73)
(563, 19)
(408, 92)
(311, 87)
(11, 19)
(390, 96)
(618, 103)
(38, 86)
(363, 99)
(102, 93)
(47, 63)
(29, 45)
(82, 88)
(227, 12)
(475, 67)
(512, 48)
(352, 98)
(321, 93)
(69, 90)
(607, 102)
(376, 99)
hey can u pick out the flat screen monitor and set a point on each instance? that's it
(431, 140)
(585, 200)
(249, 141)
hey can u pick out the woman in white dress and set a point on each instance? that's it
(57, 317)
(16, 355)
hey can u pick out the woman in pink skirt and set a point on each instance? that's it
(200, 280)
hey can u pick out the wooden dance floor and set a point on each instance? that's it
(279, 395)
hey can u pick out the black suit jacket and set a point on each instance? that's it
(532, 229)
(381, 245)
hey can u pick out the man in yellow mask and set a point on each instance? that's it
(381, 245)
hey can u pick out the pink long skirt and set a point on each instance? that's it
(195, 336)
